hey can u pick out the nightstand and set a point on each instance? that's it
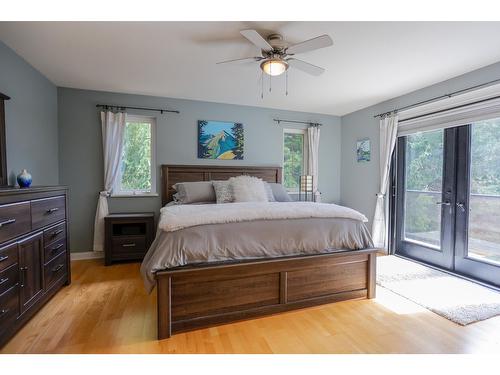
(127, 236)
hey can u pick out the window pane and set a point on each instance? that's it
(293, 160)
(136, 160)
(424, 180)
(484, 199)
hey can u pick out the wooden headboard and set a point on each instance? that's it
(172, 174)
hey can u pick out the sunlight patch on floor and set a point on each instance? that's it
(397, 304)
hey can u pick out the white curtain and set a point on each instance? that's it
(313, 157)
(113, 129)
(388, 135)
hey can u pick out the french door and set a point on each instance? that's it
(448, 199)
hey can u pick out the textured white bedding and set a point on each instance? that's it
(184, 216)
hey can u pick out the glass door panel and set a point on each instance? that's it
(484, 192)
(423, 188)
(477, 237)
(425, 196)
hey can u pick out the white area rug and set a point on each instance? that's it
(456, 299)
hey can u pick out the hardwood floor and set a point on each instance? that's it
(106, 310)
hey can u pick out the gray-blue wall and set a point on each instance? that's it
(31, 120)
(360, 181)
(81, 165)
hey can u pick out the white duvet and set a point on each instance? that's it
(177, 217)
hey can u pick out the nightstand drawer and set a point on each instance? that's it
(129, 244)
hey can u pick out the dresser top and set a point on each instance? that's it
(11, 190)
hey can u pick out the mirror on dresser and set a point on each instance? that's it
(3, 157)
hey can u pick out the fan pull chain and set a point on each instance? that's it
(262, 85)
(270, 81)
(286, 83)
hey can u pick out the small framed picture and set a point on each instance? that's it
(363, 150)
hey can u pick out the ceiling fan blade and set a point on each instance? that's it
(305, 67)
(310, 45)
(257, 39)
(241, 61)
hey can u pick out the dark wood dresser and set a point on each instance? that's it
(128, 236)
(34, 252)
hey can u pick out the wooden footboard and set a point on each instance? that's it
(197, 297)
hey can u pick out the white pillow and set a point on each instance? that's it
(248, 189)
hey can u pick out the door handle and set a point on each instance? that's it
(445, 203)
(461, 206)
(51, 210)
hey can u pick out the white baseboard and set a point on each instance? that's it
(87, 255)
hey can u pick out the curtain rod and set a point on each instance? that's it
(161, 110)
(298, 122)
(437, 98)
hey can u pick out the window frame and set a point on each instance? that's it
(305, 153)
(118, 191)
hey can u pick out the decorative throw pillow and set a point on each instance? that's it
(194, 192)
(223, 191)
(248, 189)
(269, 192)
(279, 192)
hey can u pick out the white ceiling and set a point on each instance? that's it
(369, 62)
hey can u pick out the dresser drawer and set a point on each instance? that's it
(8, 256)
(9, 277)
(14, 220)
(55, 270)
(129, 245)
(54, 233)
(47, 211)
(9, 307)
(54, 249)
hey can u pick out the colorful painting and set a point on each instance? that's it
(220, 140)
(363, 150)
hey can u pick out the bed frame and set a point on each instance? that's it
(193, 297)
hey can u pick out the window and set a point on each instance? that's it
(137, 171)
(294, 157)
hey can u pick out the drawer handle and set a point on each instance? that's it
(56, 232)
(7, 222)
(57, 268)
(128, 245)
(4, 311)
(4, 258)
(55, 248)
(52, 210)
(3, 281)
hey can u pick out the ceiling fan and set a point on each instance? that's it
(276, 53)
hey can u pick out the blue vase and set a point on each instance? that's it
(24, 179)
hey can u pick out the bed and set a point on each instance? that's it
(210, 290)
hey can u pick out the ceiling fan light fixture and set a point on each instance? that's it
(274, 66)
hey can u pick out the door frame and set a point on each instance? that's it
(462, 265)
